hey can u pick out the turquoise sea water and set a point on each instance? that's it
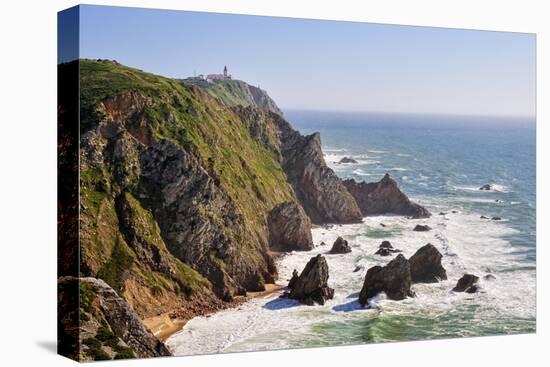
(439, 162)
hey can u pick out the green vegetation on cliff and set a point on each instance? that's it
(124, 112)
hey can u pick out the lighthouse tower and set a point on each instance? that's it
(225, 72)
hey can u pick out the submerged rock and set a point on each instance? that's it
(311, 285)
(289, 228)
(340, 246)
(384, 197)
(347, 160)
(468, 284)
(358, 268)
(421, 228)
(394, 279)
(496, 218)
(426, 265)
(489, 277)
(486, 187)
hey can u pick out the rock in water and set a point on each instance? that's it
(421, 228)
(311, 286)
(347, 160)
(108, 327)
(394, 279)
(426, 265)
(340, 246)
(289, 228)
(382, 251)
(386, 244)
(468, 284)
(485, 187)
(384, 197)
(293, 280)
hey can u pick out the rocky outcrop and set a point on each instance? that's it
(394, 280)
(386, 244)
(320, 191)
(426, 265)
(421, 228)
(384, 197)
(289, 228)
(485, 187)
(108, 327)
(340, 246)
(468, 284)
(311, 286)
(386, 249)
(346, 160)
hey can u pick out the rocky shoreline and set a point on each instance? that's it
(180, 220)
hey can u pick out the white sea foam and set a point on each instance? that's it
(399, 169)
(468, 245)
(495, 188)
(377, 151)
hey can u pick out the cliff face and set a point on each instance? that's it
(321, 193)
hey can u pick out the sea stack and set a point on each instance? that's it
(394, 279)
(384, 197)
(311, 286)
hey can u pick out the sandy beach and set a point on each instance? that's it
(163, 326)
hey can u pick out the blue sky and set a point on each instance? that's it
(326, 65)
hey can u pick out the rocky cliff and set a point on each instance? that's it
(108, 328)
(321, 193)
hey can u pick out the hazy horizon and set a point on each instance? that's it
(326, 65)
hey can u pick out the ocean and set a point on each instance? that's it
(439, 162)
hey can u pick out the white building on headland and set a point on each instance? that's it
(214, 77)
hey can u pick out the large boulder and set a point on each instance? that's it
(394, 279)
(311, 286)
(289, 228)
(468, 284)
(384, 197)
(340, 246)
(426, 265)
(103, 323)
(485, 187)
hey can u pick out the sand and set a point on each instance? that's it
(163, 326)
